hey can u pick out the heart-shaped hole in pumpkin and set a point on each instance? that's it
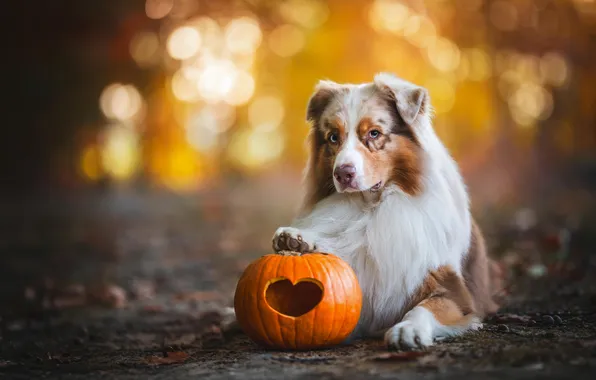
(293, 300)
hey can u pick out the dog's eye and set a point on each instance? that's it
(332, 138)
(374, 134)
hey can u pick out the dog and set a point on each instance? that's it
(384, 194)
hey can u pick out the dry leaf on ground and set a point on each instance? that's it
(170, 358)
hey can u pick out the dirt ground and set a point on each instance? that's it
(133, 287)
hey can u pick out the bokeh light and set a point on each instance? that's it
(388, 15)
(286, 40)
(412, 25)
(253, 148)
(554, 69)
(91, 165)
(201, 136)
(529, 103)
(443, 54)
(215, 117)
(425, 33)
(144, 49)
(184, 42)
(156, 9)
(210, 31)
(120, 152)
(217, 80)
(266, 112)
(184, 88)
(243, 35)
(120, 102)
(306, 13)
(242, 88)
(480, 64)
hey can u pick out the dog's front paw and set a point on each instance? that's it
(291, 239)
(408, 335)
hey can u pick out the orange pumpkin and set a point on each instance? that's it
(292, 301)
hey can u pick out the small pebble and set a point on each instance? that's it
(503, 328)
(558, 320)
(548, 320)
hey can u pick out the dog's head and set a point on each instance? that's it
(364, 137)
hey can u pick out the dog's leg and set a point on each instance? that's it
(443, 307)
(317, 229)
(433, 318)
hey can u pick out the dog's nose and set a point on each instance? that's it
(344, 174)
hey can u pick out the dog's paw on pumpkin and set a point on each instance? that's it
(291, 239)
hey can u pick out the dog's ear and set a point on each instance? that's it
(324, 92)
(410, 100)
(411, 103)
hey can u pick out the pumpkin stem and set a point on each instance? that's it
(289, 253)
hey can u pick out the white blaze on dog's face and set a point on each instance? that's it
(364, 137)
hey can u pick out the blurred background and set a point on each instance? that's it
(163, 140)
(183, 95)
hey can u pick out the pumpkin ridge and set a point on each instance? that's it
(261, 321)
(343, 286)
(296, 324)
(314, 311)
(330, 280)
(354, 285)
(241, 298)
(336, 282)
(278, 317)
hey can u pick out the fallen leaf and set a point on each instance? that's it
(399, 356)
(110, 295)
(170, 358)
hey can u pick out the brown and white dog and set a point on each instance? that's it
(384, 194)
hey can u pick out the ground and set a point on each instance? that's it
(133, 286)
